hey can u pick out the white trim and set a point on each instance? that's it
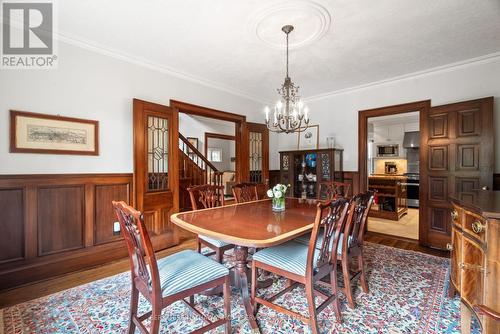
(103, 50)
(489, 58)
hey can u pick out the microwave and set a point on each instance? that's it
(387, 151)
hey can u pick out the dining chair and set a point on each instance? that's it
(167, 280)
(204, 197)
(330, 190)
(351, 246)
(305, 264)
(245, 192)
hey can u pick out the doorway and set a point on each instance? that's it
(220, 150)
(384, 168)
(456, 158)
(393, 174)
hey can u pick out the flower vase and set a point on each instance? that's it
(279, 204)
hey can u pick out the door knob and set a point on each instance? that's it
(449, 247)
(485, 188)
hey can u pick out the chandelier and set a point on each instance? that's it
(289, 112)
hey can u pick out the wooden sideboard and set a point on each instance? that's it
(475, 258)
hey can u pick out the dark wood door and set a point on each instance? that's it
(156, 175)
(456, 155)
(258, 153)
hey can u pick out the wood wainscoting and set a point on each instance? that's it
(352, 177)
(55, 224)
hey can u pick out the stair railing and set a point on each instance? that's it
(210, 173)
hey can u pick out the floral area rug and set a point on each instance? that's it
(407, 295)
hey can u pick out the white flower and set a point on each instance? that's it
(270, 193)
(276, 187)
(278, 194)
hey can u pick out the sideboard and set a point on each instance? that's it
(475, 258)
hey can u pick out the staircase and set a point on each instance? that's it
(194, 169)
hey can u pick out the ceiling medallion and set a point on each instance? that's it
(289, 112)
(312, 18)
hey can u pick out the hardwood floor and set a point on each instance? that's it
(47, 287)
(406, 227)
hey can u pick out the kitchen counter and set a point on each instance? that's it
(388, 177)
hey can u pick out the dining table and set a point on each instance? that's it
(250, 225)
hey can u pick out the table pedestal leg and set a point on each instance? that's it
(241, 254)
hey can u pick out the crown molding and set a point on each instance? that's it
(106, 51)
(489, 58)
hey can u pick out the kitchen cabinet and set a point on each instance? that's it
(391, 200)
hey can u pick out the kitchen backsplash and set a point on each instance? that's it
(401, 164)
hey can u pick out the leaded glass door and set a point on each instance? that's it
(258, 153)
(155, 181)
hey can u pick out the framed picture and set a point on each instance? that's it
(308, 138)
(193, 141)
(40, 133)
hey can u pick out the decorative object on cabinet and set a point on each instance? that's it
(330, 142)
(41, 133)
(391, 200)
(298, 169)
(308, 139)
(475, 257)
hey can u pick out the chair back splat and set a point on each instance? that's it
(354, 230)
(139, 249)
(206, 196)
(330, 217)
(245, 192)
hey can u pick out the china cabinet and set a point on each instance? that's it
(303, 169)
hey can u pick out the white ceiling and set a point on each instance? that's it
(235, 45)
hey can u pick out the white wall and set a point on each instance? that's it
(338, 114)
(94, 86)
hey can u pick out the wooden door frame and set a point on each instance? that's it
(215, 136)
(240, 133)
(422, 107)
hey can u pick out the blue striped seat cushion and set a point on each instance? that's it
(187, 269)
(290, 256)
(304, 239)
(215, 242)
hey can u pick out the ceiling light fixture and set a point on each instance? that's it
(289, 111)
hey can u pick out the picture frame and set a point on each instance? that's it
(52, 134)
(308, 138)
(193, 141)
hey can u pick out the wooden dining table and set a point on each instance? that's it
(251, 224)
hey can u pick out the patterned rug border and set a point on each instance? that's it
(407, 250)
(128, 270)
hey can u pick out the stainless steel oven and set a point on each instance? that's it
(387, 150)
(412, 189)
